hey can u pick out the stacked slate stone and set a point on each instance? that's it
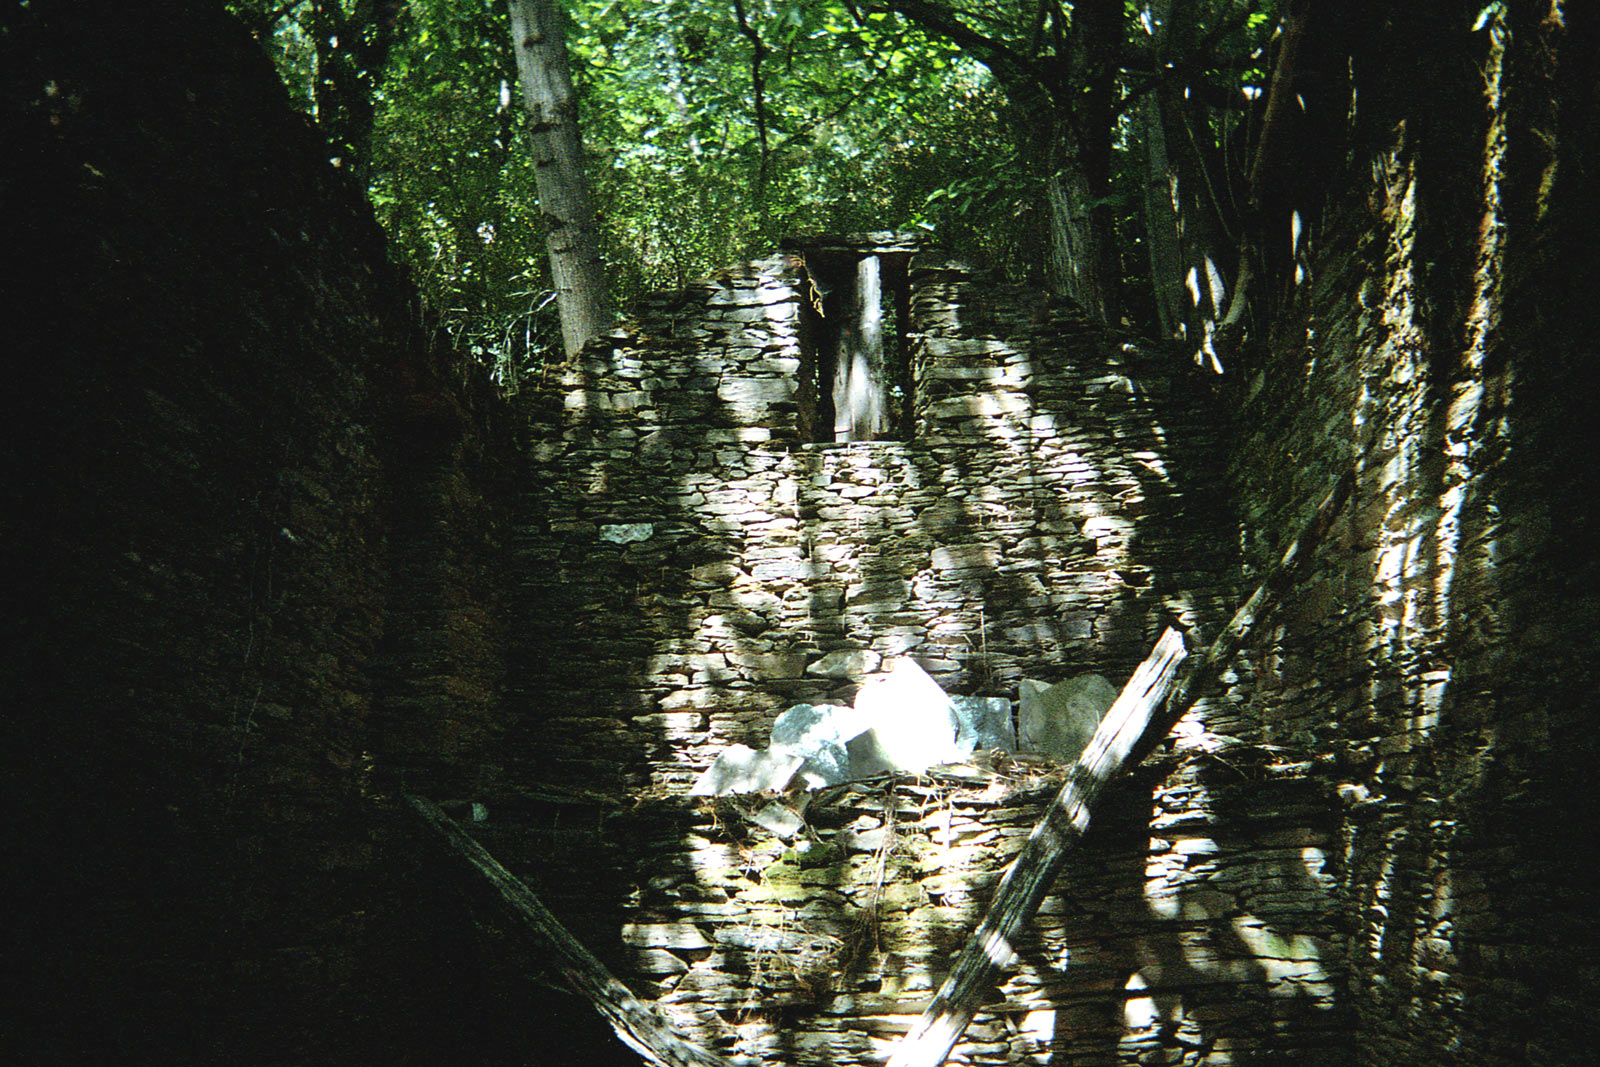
(697, 574)
(691, 565)
(813, 928)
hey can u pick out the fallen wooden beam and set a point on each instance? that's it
(637, 1023)
(1149, 706)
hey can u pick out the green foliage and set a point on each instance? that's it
(861, 120)
(453, 184)
(871, 123)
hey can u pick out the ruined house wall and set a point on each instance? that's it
(245, 515)
(1037, 522)
(250, 516)
(1053, 505)
(1439, 665)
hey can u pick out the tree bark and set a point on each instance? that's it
(1163, 225)
(1162, 221)
(1074, 89)
(1152, 702)
(636, 1023)
(1078, 255)
(860, 380)
(538, 39)
(1085, 103)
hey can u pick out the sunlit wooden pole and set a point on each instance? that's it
(638, 1024)
(1149, 706)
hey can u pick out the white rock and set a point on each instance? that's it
(819, 733)
(805, 725)
(741, 769)
(778, 819)
(984, 723)
(827, 764)
(1058, 720)
(911, 723)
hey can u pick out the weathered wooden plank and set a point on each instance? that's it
(637, 1023)
(1152, 702)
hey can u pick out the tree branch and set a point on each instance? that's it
(758, 55)
(1006, 62)
(1283, 72)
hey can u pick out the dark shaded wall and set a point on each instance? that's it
(1439, 666)
(246, 525)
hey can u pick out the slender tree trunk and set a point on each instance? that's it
(1081, 264)
(1083, 260)
(1163, 225)
(350, 53)
(1206, 246)
(1077, 254)
(860, 381)
(758, 55)
(539, 40)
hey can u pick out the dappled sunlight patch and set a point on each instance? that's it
(1030, 527)
(1139, 1008)
(1293, 963)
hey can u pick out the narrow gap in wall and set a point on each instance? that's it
(855, 359)
(897, 344)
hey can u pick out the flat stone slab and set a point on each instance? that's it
(627, 533)
(741, 769)
(1058, 720)
(984, 723)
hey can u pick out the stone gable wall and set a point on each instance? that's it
(689, 564)
(1036, 523)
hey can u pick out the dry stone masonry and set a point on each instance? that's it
(706, 588)
(269, 576)
(692, 562)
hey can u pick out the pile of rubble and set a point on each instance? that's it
(902, 722)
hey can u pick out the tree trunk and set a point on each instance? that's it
(539, 40)
(1162, 224)
(1083, 229)
(860, 379)
(1150, 705)
(1077, 253)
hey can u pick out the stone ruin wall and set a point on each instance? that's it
(1439, 664)
(260, 589)
(1037, 522)
(253, 510)
(1045, 517)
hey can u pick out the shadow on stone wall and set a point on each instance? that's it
(687, 563)
(199, 505)
(1435, 662)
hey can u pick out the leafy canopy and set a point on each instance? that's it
(865, 121)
